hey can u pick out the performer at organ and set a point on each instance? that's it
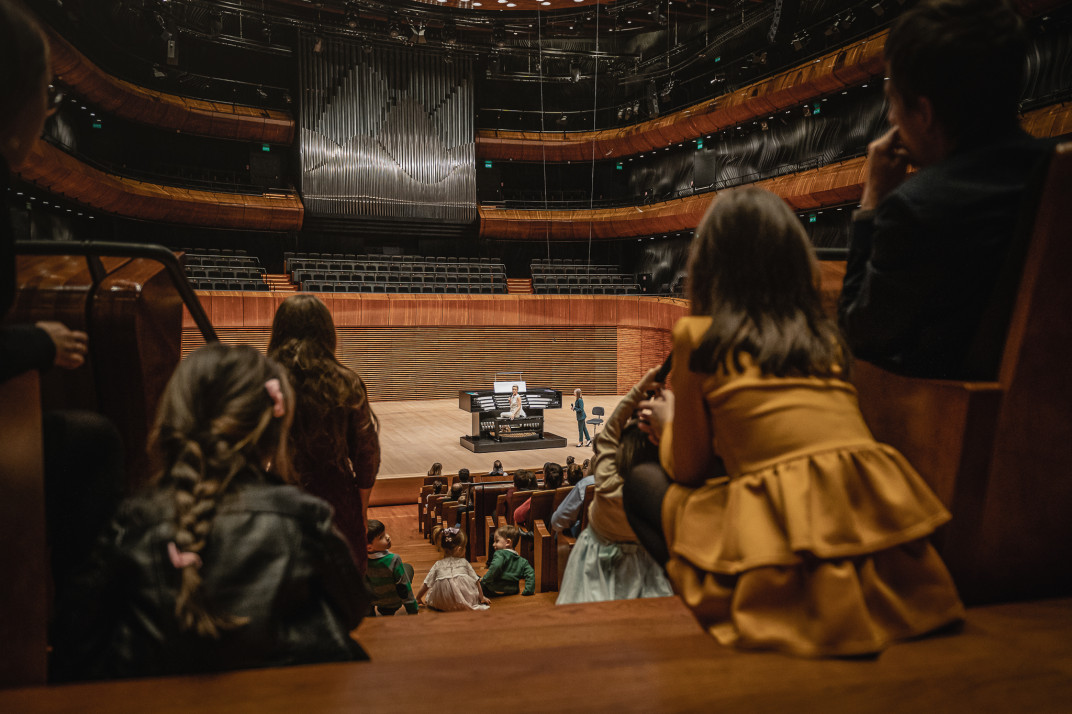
(516, 412)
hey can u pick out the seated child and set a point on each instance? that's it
(552, 479)
(388, 578)
(452, 584)
(221, 563)
(507, 567)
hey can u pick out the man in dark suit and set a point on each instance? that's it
(927, 253)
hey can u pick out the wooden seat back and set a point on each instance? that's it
(996, 453)
(560, 496)
(485, 496)
(24, 557)
(133, 315)
(541, 508)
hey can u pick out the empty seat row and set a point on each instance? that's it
(247, 272)
(211, 284)
(208, 260)
(399, 288)
(356, 266)
(588, 290)
(300, 276)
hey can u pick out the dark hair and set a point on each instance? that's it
(509, 533)
(448, 540)
(570, 460)
(634, 448)
(23, 59)
(574, 474)
(497, 464)
(331, 397)
(966, 57)
(439, 486)
(753, 270)
(525, 480)
(375, 529)
(552, 475)
(463, 475)
(215, 420)
(435, 469)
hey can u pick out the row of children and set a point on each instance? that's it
(451, 583)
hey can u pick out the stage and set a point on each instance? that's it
(413, 434)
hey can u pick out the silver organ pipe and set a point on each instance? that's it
(387, 132)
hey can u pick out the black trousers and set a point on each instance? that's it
(642, 495)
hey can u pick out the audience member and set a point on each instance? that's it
(606, 562)
(462, 492)
(452, 584)
(334, 441)
(574, 473)
(388, 578)
(552, 479)
(567, 517)
(220, 564)
(507, 568)
(83, 451)
(922, 294)
(496, 470)
(815, 544)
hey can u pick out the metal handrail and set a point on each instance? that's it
(111, 249)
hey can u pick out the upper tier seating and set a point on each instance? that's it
(223, 269)
(557, 276)
(337, 273)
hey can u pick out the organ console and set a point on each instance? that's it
(491, 431)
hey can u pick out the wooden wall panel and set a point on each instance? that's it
(57, 171)
(167, 111)
(450, 341)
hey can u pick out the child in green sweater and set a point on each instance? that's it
(388, 578)
(507, 567)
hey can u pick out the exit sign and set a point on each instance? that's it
(265, 147)
(487, 164)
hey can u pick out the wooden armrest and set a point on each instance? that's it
(545, 555)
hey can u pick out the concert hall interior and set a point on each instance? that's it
(482, 194)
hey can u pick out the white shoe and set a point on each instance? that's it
(580, 443)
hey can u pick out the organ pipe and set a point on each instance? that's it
(386, 132)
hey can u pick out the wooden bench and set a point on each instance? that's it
(999, 453)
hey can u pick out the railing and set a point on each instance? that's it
(93, 251)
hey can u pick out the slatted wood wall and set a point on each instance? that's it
(435, 362)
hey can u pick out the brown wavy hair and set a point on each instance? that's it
(215, 420)
(303, 341)
(753, 271)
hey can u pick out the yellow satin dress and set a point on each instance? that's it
(816, 542)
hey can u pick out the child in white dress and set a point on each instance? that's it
(452, 584)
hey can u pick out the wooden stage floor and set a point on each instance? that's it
(414, 434)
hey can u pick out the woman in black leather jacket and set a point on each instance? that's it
(222, 564)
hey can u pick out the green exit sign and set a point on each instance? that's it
(265, 147)
(619, 166)
(812, 218)
(97, 125)
(487, 164)
(699, 144)
(815, 108)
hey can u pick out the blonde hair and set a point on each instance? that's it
(216, 419)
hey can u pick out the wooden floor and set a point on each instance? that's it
(526, 655)
(415, 434)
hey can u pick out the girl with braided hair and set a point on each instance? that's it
(222, 564)
(334, 440)
(452, 584)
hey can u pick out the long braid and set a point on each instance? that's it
(206, 461)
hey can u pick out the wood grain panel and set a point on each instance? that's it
(572, 340)
(167, 111)
(59, 172)
(434, 363)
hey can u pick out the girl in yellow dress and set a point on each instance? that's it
(783, 523)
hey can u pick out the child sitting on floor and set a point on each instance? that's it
(388, 578)
(507, 567)
(452, 584)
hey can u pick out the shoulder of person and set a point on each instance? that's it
(691, 329)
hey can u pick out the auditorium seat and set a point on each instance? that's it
(996, 452)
